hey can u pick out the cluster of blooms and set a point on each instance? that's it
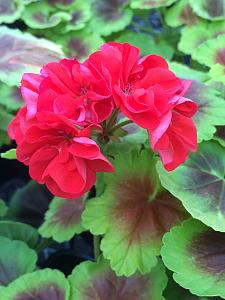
(69, 100)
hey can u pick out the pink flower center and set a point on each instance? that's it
(65, 136)
(83, 90)
(128, 88)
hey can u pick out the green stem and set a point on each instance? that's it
(121, 125)
(96, 242)
(112, 120)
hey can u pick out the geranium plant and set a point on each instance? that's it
(113, 114)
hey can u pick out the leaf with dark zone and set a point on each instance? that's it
(29, 204)
(196, 253)
(63, 219)
(16, 259)
(203, 184)
(133, 213)
(96, 281)
(44, 284)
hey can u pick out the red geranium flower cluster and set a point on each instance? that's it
(69, 100)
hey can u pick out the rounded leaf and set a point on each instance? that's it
(80, 13)
(146, 4)
(16, 259)
(110, 16)
(22, 52)
(19, 231)
(133, 213)
(29, 204)
(44, 16)
(181, 13)
(200, 185)
(63, 219)
(146, 44)
(212, 54)
(44, 284)
(10, 10)
(10, 97)
(209, 9)
(195, 253)
(192, 37)
(96, 281)
(211, 109)
(79, 44)
(185, 72)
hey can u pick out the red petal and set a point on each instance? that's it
(84, 147)
(100, 164)
(68, 181)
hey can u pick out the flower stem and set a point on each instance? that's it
(121, 125)
(96, 243)
(112, 120)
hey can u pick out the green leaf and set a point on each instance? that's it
(147, 44)
(133, 214)
(10, 97)
(3, 208)
(174, 291)
(180, 13)
(10, 154)
(183, 71)
(200, 185)
(220, 135)
(96, 281)
(4, 138)
(28, 1)
(194, 36)
(80, 13)
(19, 231)
(63, 219)
(213, 50)
(29, 204)
(211, 109)
(5, 118)
(209, 9)
(22, 52)
(44, 17)
(44, 284)
(79, 44)
(217, 72)
(146, 4)
(10, 10)
(61, 4)
(109, 16)
(195, 253)
(217, 85)
(16, 259)
(212, 54)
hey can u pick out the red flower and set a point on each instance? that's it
(69, 98)
(18, 125)
(149, 94)
(70, 89)
(58, 154)
(133, 80)
(176, 133)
